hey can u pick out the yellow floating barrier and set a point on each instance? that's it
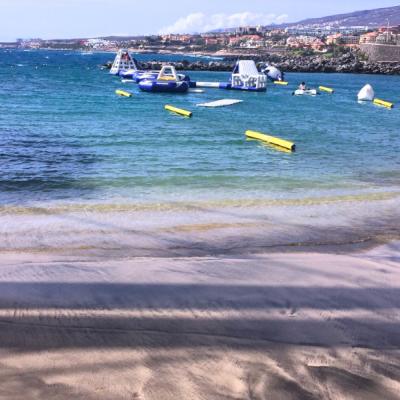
(178, 111)
(383, 103)
(271, 146)
(272, 140)
(123, 93)
(283, 83)
(326, 89)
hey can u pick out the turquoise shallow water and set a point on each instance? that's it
(66, 136)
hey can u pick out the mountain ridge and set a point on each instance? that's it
(373, 18)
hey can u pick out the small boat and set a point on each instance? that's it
(306, 92)
(167, 81)
(366, 93)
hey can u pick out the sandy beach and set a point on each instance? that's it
(145, 256)
(305, 325)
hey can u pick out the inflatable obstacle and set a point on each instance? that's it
(245, 76)
(272, 140)
(366, 93)
(272, 73)
(167, 81)
(123, 62)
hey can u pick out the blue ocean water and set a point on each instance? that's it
(66, 136)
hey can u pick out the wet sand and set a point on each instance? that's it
(306, 325)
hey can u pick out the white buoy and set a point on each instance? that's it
(366, 93)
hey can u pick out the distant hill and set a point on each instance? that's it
(122, 38)
(373, 18)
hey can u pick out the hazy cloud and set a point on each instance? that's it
(200, 22)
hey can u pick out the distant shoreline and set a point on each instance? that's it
(352, 62)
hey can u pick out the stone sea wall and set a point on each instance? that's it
(347, 63)
(382, 52)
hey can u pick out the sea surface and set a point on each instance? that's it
(66, 138)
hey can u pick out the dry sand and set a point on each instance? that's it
(267, 326)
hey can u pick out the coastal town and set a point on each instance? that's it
(296, 48)
(243, 40)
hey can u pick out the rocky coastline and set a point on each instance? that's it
(346, 63)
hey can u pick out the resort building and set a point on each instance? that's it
(238, 40)
(333, 39)
(369, 37)
(249, 30)
(299, 42)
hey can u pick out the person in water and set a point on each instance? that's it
(302, 86)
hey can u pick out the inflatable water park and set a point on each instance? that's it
(244, 77)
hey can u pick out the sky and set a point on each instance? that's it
(51, 19)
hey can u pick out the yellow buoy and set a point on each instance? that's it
(283, 83)
(178, 111)
(123, 93)
(271, 139)
(326, 89)
(383, 103)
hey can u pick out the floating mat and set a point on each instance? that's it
(220, 103)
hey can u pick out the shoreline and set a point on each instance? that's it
(357, 246)
(287, 65)
(201, 229)
(346, 64)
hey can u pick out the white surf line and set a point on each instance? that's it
(193, 205)
(310, 314)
